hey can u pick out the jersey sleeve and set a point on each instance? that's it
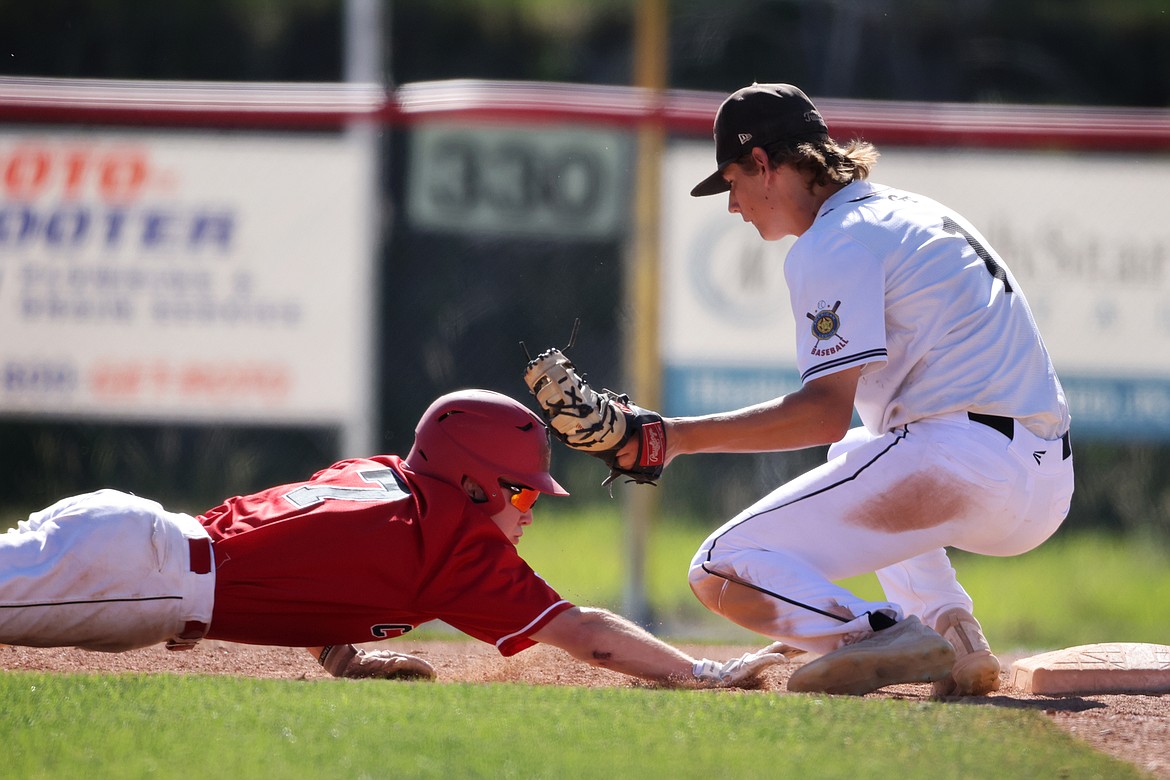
(506, 606)
(481, 586)
(519, 640)
(837, 291)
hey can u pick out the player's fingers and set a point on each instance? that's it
(627, 456)
(786, 650)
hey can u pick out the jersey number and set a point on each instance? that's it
(993, 266)
(389, 488)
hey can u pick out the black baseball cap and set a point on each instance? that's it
(759, 115)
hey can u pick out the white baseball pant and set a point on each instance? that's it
(888, 504)
(105, 571)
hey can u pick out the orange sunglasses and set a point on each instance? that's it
(522, 497)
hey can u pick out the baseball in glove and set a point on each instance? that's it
(597, 423)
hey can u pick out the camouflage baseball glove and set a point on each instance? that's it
(597, 423)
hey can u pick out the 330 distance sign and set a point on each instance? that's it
(543, 181)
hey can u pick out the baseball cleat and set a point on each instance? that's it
(976, 670)
(907, 652)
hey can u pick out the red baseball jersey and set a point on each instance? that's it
(367, 550)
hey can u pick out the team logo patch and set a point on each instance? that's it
(826, 327)
(825, 323)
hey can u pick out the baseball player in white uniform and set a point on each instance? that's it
(906, 314)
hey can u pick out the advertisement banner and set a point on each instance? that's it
(172, 276)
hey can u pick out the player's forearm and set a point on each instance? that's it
(818, 413)
(626, 648)
(773, 426)
(600, 638)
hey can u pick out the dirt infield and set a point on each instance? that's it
(1134, 728)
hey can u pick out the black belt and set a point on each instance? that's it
(1007, 426)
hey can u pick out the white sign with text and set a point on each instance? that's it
(182, 277)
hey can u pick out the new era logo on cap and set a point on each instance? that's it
(745, 137)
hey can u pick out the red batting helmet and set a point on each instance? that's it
(488, 437)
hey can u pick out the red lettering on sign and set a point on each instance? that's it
(26, 172)
(33, 171)
(220, 383)
(117, 380)
(215, 380)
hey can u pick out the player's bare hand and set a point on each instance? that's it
(351, 662)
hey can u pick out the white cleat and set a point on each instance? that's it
(976, 670)
(906, 652)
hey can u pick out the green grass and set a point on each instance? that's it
(58, 726)
(1073, 590)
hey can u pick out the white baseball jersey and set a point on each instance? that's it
(905, 287)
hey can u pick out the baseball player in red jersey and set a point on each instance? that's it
(906, 314)
(366, 549)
